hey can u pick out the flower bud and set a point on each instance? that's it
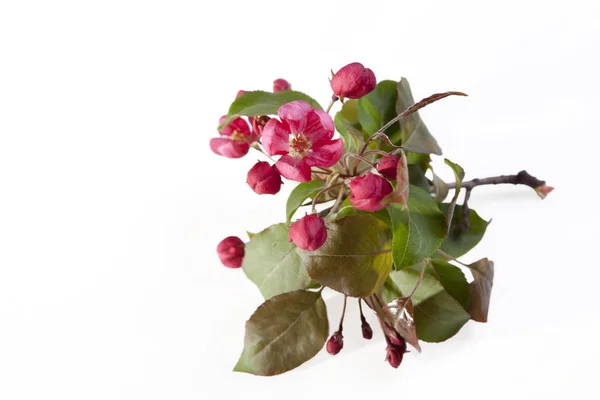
(366, 192)
(387, 166)
(394, 356)
(308, 233)
(367, 332)
(279, 85)
(353, 81)
(258, 125)
(543, 190)
(231, 251)
(335, 343)
(239, 93)
(264, 178)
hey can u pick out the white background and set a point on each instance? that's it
(111, 203)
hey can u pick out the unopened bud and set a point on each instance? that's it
(335, 343)
(367, 332)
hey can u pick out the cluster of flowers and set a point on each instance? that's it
(302, 137)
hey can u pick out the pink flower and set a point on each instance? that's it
(231, 251)
(387, 166)
(335, 344)
(308, 233)
(235, 139)
(353, 81)
(264, 178)
(279, 85)
(303, 139)
(366, 192)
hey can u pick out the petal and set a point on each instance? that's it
(276, 138)
(229, 148)
(319, 127)
(293, 168)
(325, 155)
(295, 114)
(239, 124)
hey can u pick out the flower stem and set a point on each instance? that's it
(334, 98)
(314, 203)
(423, 267)
(256, 146)
(343, 313)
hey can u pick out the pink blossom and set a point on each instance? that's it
(308, 233)
(279, 85)
(235, 139)
(303, 138)
(353, 81)
(366, 192)
(231, 251)
(387, 166)
(264, 178)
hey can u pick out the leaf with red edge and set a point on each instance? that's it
(400, 193)
(401, 314)
(481, 289)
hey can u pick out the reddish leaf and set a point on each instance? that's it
(400, 314)
(480, 289)
(400, 193)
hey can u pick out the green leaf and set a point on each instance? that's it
(423, 161)
(401, 283)
(413, 133)
(355, 259)
(416, 177)
(418, 230)
(481, 289)
(459, 175)
(347, 124)
(255, 103)
(461, 240)
(439, 317)
(378, 108)
(273, 264)
(283, 333)
(440, 188)
(300, 193)
(347, 209)
(453, 280)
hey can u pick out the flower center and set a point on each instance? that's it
(299, 144)
(238, 137)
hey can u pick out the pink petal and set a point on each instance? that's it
(229, 148)
(295, 113)
(293, 168)
(239, 124)
(276, 138)
(319, 127)
(325, 155)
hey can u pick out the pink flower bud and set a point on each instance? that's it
(543, 190)
(367, 332)
(258, 125)
(353, 81)
(335, 343)
(394, 356)
(308, 233)
(387, 166)
(231, 251)
(366, 192)
(279, 85)
(264, 178)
